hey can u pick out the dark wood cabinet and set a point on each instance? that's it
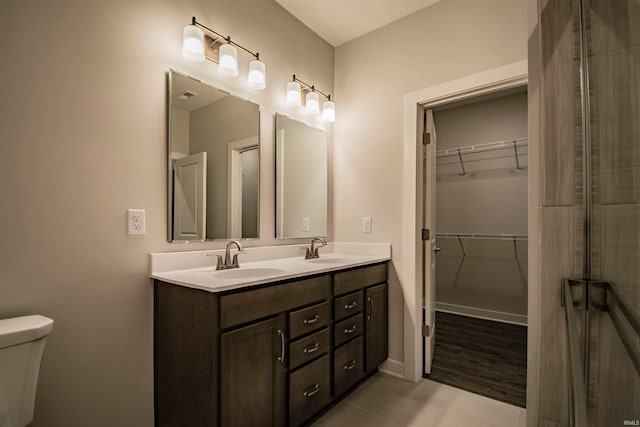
(253, 375)
(360, 328)
(348, 365)
(271, 355)
(309, 390)
(376, 326)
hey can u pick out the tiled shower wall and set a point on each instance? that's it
(561, 210)
(614, 61)
(614, 71)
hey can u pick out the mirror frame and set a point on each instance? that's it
(169, 182)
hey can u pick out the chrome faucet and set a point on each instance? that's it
(312, 253)
(228, 261)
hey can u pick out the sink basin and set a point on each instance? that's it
(247, 273)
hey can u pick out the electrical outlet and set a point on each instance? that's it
(305, 224)
(366, 224)
(135, 221)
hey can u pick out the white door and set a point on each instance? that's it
(189, 196)
(429, 242)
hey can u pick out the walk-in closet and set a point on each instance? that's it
(481, 239)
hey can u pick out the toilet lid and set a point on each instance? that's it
(18, 330)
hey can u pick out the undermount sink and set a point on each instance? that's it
(247, 273)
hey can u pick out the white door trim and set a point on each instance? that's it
(505, 77)
(234, 184)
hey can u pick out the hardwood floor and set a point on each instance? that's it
(481, 356)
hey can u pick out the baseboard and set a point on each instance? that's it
(499, 316)
(393, 368)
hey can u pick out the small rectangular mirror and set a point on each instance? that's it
(301, 179)
(213, 158)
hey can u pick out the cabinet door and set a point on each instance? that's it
(376, 328)
(253, 374)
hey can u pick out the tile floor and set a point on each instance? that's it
(387, 401)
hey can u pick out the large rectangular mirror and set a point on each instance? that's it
(213, 157)
(301, 179)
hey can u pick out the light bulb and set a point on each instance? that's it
(228, 60)
(329, 112)
(312, 103)
(193, 43)
(257, 79)
(294, 98)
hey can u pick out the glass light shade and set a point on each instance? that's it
(228, 60)
(294, 98)
(312, 103)
(328, 111)
(257, 79)
(193, 43)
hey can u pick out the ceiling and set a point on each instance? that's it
(338, 21)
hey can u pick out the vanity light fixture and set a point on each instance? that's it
(196, 46)
(312, 100)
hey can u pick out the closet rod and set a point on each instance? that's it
(504, 237)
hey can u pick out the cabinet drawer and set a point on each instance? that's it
(347, 329)
(359, 278)
(347, 305)
(308, 348)
(348, 366)
(309, 319)
(246, 306)
(309, 390)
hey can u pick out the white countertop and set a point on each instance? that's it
(195, 269)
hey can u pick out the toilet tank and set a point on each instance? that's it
(22, 342)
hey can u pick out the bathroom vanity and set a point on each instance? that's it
(277, 351)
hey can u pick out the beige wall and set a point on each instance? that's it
(449, 40)
(83, 138)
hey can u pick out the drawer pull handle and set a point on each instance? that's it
(312, 348)
(350, 330)
(370, 316)
(350, 365)
(311, 320)
(311, 390)
(354, 304)
(282, 348)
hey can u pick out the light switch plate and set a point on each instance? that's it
(366, 224)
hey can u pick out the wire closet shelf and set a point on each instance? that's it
(501, 154)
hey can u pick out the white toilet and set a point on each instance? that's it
(22, 342)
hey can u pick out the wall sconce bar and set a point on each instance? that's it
(312, 102)
(220, 36)
(196, 46)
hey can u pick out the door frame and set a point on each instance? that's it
(234, 183)
(489, 81)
